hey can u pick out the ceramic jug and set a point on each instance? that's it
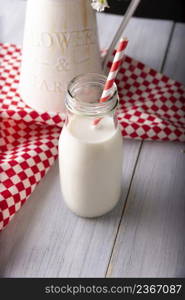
(60, 42)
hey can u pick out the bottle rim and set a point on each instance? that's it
(75, 105)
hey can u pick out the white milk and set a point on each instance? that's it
(60, 42)
(90, 160)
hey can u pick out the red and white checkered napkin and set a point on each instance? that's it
(152, 106)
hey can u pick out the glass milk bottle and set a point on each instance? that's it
(60, 42)
(90, 156)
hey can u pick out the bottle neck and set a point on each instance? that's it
(84, 93)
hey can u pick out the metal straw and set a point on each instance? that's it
(129, 13)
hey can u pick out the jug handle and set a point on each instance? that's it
(128, 14)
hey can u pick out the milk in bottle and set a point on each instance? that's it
(90, 157)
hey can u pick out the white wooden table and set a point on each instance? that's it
(144, 236)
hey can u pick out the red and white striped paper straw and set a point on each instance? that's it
(114, 69)
(113, 72)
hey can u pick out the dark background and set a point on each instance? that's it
(157, 9)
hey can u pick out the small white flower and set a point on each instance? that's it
(99, 5)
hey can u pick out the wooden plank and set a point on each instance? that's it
(151, 239)
(175, 66)
(12, 23)
(45, 239)
(147, 38)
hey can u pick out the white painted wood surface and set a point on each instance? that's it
(175, 62)
(151, 238)
(45, 239)
(154, 219)
(12, 15)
